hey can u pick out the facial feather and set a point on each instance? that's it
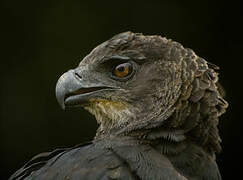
(110, 112)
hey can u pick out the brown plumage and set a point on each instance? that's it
(157, 105)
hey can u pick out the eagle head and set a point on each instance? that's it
(134, 83)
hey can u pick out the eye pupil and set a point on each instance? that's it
(122, 70)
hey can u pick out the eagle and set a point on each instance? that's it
(157, 105)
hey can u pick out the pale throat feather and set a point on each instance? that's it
(109, 112)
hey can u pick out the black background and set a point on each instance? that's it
(42, 39)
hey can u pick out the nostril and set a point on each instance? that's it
(78, 75)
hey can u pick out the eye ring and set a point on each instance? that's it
(122, 70)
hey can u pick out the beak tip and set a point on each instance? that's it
(60, 96)
(65, 84)
(62, 105)
(60, 100)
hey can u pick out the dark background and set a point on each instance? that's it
(42, 39)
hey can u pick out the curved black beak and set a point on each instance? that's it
(72, 90)
(66, 84)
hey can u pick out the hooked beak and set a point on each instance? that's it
(72, 90)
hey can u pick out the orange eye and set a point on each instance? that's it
(122, 70)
